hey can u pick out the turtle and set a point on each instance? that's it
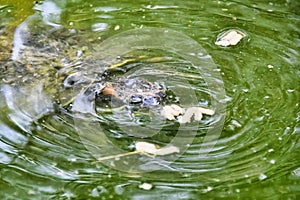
(63, 63)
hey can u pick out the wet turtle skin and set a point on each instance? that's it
(62, 61)
(134, 91)
(119, 91)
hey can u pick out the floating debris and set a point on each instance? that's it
(273, 161)
(206, 111)
(230, 37)
(262, 176)
(172, 111)
(190, 112)
(149, 148)
(146, 186)
(270, 66)
(185, 116)
(145, 147)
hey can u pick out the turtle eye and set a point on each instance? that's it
(136, 99)
(160, 94)
(70, 81)
(151, 100)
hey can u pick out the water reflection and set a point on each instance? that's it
(41, 153)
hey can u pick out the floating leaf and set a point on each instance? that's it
(167, 150)
(145, 148)
(230, 37)
(149, 148)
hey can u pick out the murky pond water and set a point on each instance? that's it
(58, 140)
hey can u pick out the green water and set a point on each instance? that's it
(249, 149)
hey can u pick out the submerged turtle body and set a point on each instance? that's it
(63, 63)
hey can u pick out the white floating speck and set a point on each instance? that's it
(270, 66)
(270, 150)
(262, 176)
(146, 186)
(31, 192)
(272, 161)
(117, 28)
(286, 131)
(209, 188)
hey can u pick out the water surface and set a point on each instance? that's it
(43, 154)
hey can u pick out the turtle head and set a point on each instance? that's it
(147, 99)
(134, 92)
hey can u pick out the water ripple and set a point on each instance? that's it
(41, 153)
